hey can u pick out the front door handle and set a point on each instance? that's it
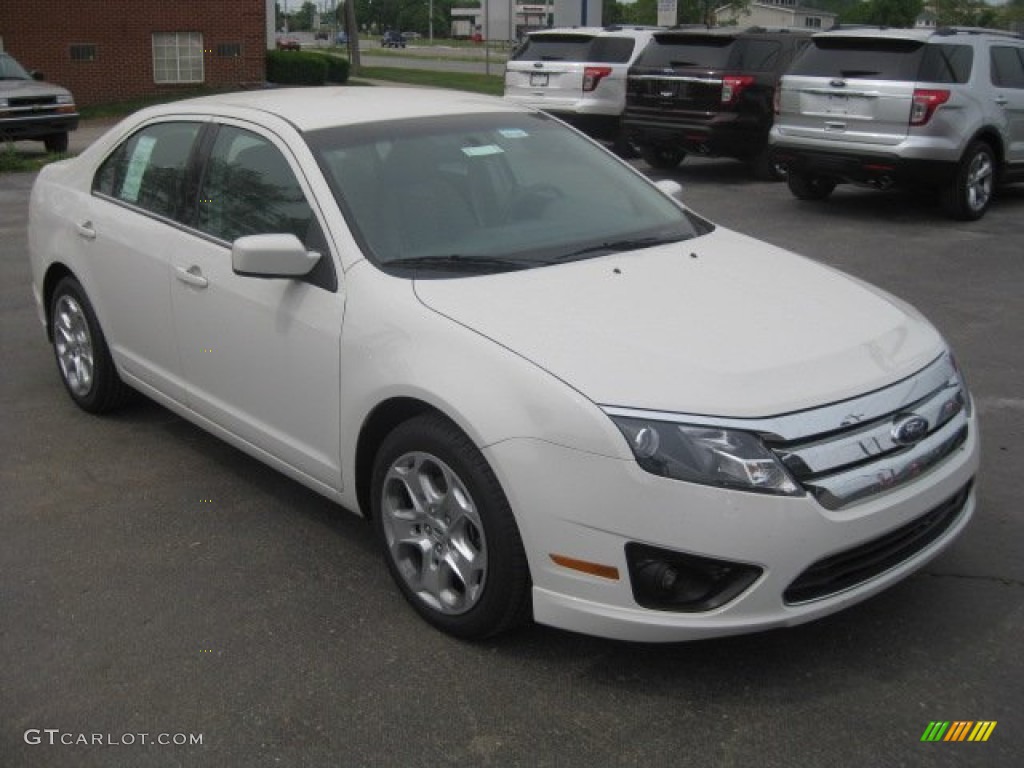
(192, 276)
(85, 230)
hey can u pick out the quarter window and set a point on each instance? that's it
(946, 64)
(1007, 66)
(178, 57)
(150, 169)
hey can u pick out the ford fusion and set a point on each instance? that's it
(554, 391)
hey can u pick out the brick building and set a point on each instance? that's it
(112, 50)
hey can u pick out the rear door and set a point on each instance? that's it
(853, 90)
(548, 70)
(1007, 68)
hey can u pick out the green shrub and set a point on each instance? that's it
(337, 69)
(296, 68)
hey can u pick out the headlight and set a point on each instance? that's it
(65, 98)
(710, 455)
(4, 103)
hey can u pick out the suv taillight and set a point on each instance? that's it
(924, 104)
(732, 87)
(594, 75)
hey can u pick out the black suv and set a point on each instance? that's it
(709, 92)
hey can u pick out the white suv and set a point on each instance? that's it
(577, 74)
(937, 109)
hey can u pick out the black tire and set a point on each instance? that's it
(807, 187)
(422, 540)
(56, 142)
(624, 147)
(662, 158)
(80, 348)
(764, 167)
(968, 195)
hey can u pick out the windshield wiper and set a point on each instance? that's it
(857, 72)
(457, 262)
(618, 246)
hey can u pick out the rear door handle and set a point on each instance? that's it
(192, 276)
(86, 230)
(1002, 101)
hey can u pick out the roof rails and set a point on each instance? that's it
(947, 31)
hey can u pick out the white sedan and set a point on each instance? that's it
(555, 391)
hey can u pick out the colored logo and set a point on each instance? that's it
(958, 730)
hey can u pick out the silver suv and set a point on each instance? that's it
(937, 109)
(578, 74)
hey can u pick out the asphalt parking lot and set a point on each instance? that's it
(155, 581)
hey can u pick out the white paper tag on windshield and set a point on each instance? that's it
(490, 149)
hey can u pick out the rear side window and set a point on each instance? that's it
(611, 50)
(1007, 66)
(946, 64)
(149, 169)
(707, 51)
(861, 58)
(555, 48)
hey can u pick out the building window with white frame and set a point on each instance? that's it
(178, 57)
(812, 21)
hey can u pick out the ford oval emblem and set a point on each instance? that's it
(910, 429)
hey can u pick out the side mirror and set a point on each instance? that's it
(35, 74)
(671, 188)
(271, 256)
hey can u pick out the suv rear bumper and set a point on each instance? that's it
(876, 168)
(728, 133)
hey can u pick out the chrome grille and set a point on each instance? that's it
(873, 450)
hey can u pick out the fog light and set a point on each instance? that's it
(676, 581)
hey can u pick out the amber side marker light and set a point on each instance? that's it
(593, 569)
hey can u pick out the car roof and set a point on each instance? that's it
(310, 109)
(613, 31)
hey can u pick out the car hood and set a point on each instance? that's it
(21, 89)
(720, 325)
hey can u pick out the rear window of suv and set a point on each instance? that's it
(885, 59)
(597, 50)
(711, 52)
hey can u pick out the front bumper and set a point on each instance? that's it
(594, 506)
(37, 126)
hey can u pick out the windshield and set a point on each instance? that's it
(12, 70)
(490, 192)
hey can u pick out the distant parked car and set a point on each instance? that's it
(411, 35)
(938, 110)
(322, 35)
(709, 92)
(288, 44)
(341, 39)
(31, 108)
(392, 39)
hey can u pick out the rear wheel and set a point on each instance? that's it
(83, 357)
(968, 195)
(807, 187)
(448, 533)
(662, 158)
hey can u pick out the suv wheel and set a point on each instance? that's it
(968, 195)
(56, 142)
(662, 158)
(807, 187)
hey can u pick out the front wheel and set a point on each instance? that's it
(968, 195)
(83, 357)
(449, 536)
(807, 187)
(662, 158)
(56, 142)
